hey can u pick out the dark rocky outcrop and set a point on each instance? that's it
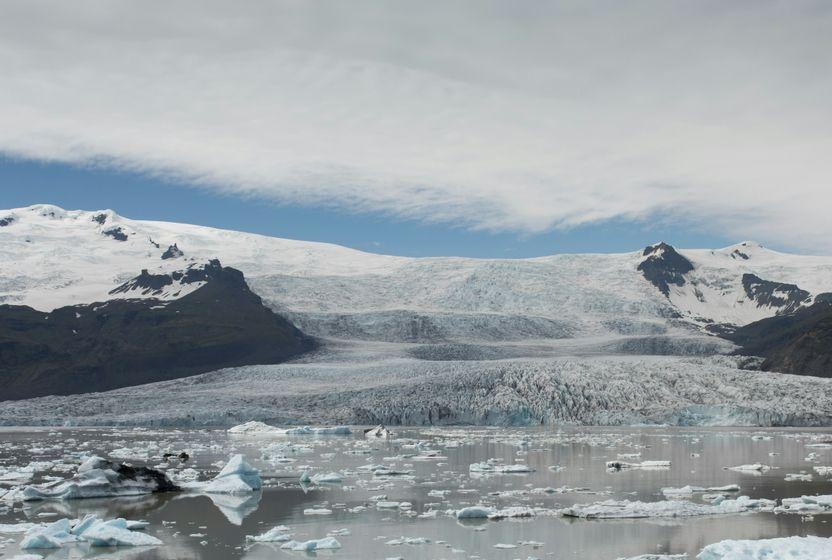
(100, 218)
(799, 342)
(123, 342)
(787, 297)
(7, 221)
(172, 252)
(663, 266)
(116, 233)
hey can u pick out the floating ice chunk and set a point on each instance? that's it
(17, 527)
(612, 509)
(806, 505)
(236, 477)
(690, 490)
(488, 468)
(317, 511)
(387, 505)
(116, 532)
(254, 428)
(475, 512)
(275, 534)
(823, 471)
(505, 546)
(327, 478)
(27, 557)
(408, 540)
(379, 431)
(798, 477)
(787, 548)
(754, 467)
(53, 535)
(327, 543)
(97, 478)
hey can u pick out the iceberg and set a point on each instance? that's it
(254, 428)
(474, 512)
(236, 477)
(91, 529)
(379, 431)
(275, 534)
(98, 478)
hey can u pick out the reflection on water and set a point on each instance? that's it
(569, 468)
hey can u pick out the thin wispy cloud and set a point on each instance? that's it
(495, 115)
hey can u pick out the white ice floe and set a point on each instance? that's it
(327, 478)
(236, 477)
(378, 432)
(805, 505)
(408, 540)
(798, 477)
(96, 532)
(823, 471)
(625, 509)
(98, 478)
(327, 543)
(494, 468)
(690, 490)
(275, 534)
(255, 428)
(787, 548)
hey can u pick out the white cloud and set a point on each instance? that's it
(506, 116)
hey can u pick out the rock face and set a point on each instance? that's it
(123, 342)
(788, 297)
(172, 252)
(800, 342)
(663, 266)
(116, 233)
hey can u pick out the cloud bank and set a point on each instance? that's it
(505, 116)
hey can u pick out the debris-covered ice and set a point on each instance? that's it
(97, 478)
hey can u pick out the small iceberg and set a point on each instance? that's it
(327, 543)
(91, 529)
(378, 432)
(236, 477)
(275, 534)
(99, 478)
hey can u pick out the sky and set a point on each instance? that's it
(477, 128)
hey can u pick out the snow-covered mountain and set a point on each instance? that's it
(53, 257)
(590, 338)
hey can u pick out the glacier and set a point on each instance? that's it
(579, 339)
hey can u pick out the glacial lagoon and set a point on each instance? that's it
(400, 496)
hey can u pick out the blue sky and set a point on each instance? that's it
(139, 196)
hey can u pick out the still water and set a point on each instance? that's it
(569, 468)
